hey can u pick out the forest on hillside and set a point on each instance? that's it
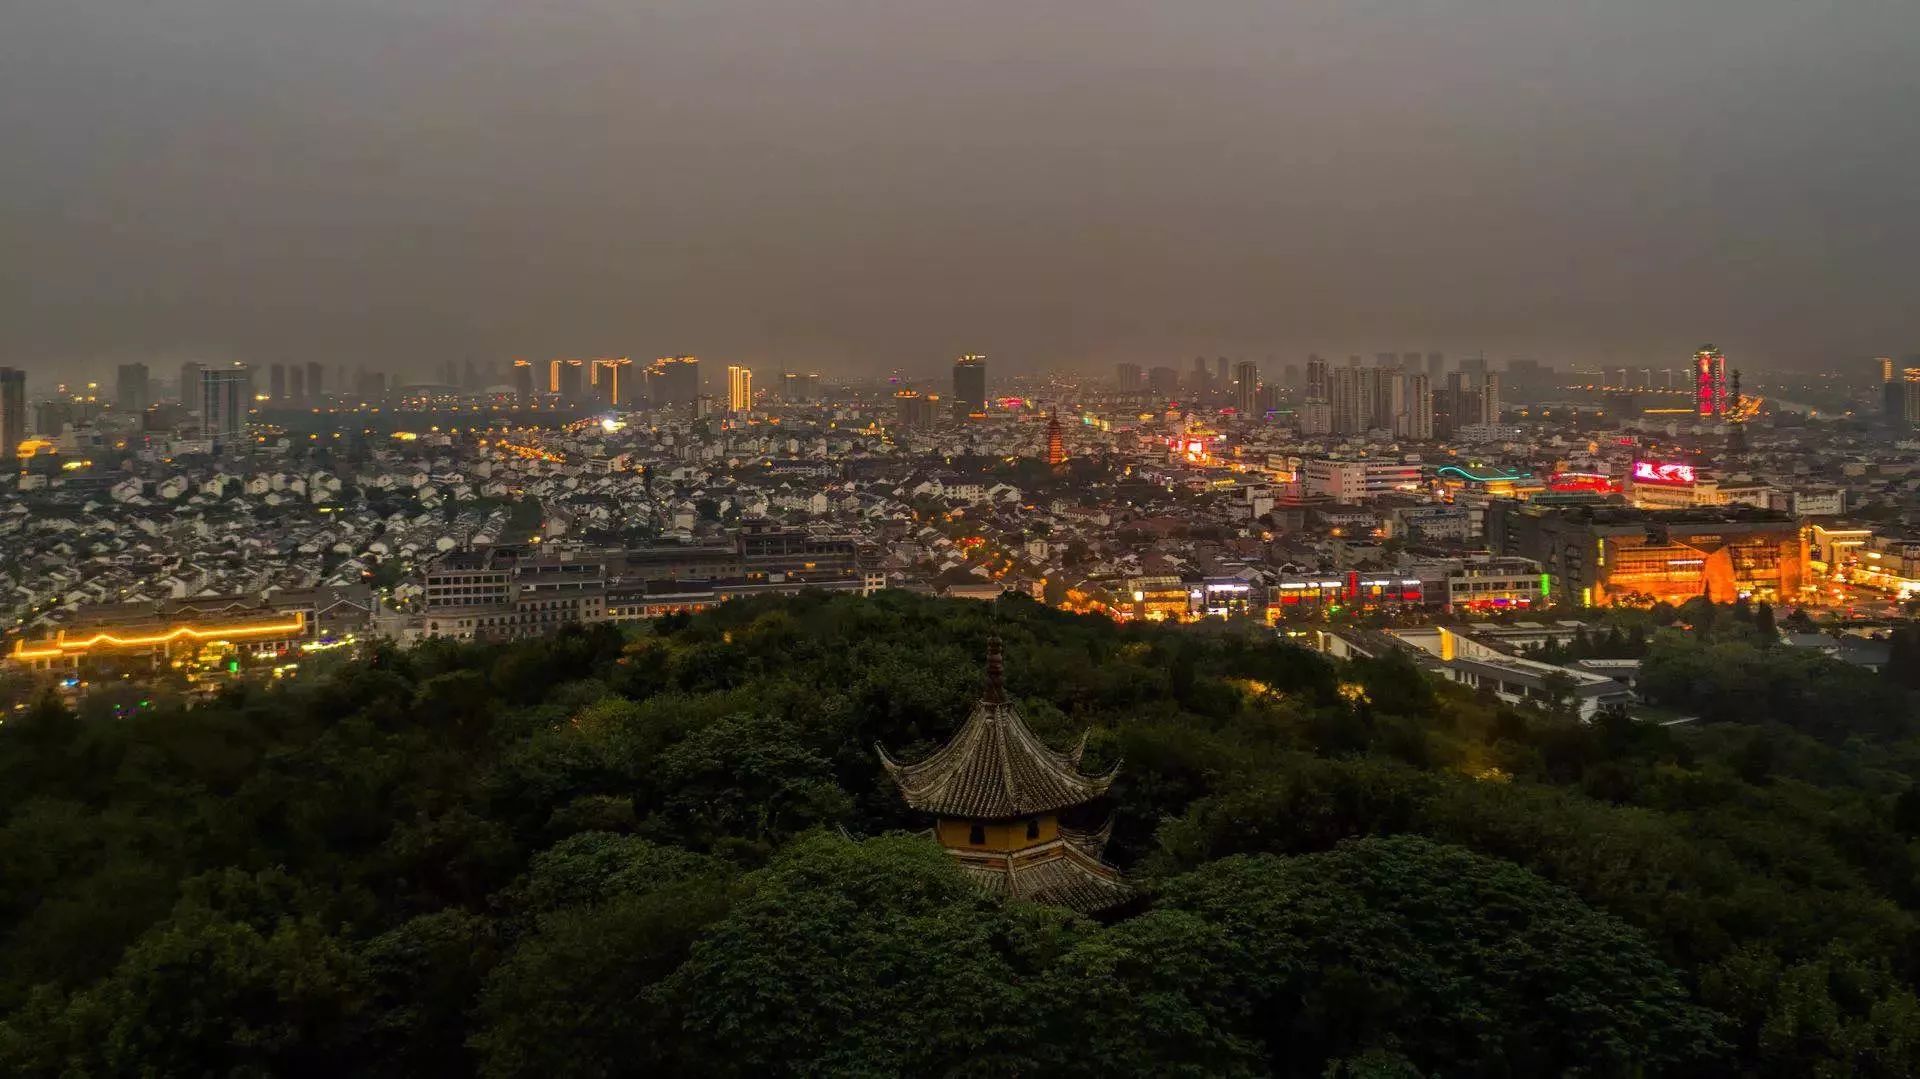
(674, 852)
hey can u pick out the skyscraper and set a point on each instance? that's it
(132, 388)
(523, 380)
(970, 384)
(296, 384)
(1352, 400)
(225, 393)
(1164, 381)
(316, 382)
(1910, 397)
(1436, 365)
(1246, 388)
(568, 379)
(613, 381)
(1127, 376)
(277, 383)
(189, 389)
(673, 380)
(739, 389)
(1317, 386)
(13, 411)
(1490, 398)
(1220, 372)
(1709, 381)
(1200, 380)
(1413, 407)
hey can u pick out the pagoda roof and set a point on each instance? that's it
(1061, 873)
(994, 767)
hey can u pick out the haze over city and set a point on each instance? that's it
(860, 186)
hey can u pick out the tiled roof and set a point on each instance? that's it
(995, 768)
(1060, 874)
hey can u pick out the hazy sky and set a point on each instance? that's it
(887, 183)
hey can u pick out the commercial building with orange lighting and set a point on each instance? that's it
(1602, 555)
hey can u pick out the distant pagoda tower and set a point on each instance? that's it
(996, 791)
(1056, 441)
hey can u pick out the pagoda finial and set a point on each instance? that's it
(996, 672)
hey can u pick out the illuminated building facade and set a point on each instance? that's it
(567, 379)
(1710, 382)
(914, 410)
(1056, 442)
(1600, 555)
(1246, 388)
(13, 411)
(523, 380)
(673, 380)
(613, 382)
(739, 389)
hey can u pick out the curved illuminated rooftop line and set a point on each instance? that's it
(1472, 477)
(62, 645)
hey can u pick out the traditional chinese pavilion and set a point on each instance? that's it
(996, 793)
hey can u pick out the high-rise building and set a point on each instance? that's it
(1220, 372)
(277, 383)
(970, 384)
(1246, 388)
(1885, 363)
(296, 384)
(1352, 400)
(567, 379)
(1199, 381)
(1314, 417)
(739, 389)
(523, 380)
(1910, 396)
(1386, 359)
(1318, 388)
(915, 410)
(188, 392)
(1163, 381)
(13, 411)
(613, 381)
(1490, 398)
(225, 394)
(1127, 376)
(132, 388)
(317, 383)
(673, 380)
(1436, 365)
(1709, 382)
(1413, 407)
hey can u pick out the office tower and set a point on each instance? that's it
(277, 383)
(673, 380)
(970, 384)
(1436, 365)
(13, 411)
(1164, 381)
(1490, 398)
(225, 393)
(132, 389)
(1317, 385)
(1413, 407)
(188, 391)
(296, 384)
(739, 389)
(613, 382)
(1246, 387)
(523, 380)
(1199, 380)
(1709, 381)
(1127, 376)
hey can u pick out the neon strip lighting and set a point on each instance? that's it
(1465, 475)
(62, 645)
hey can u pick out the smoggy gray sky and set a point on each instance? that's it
(865, 184)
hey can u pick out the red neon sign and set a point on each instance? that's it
(1662, 472)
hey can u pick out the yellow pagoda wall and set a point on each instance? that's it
(1000, 835)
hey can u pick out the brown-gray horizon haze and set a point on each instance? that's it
(858, 185)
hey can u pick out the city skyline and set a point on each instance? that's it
(1076, 186)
